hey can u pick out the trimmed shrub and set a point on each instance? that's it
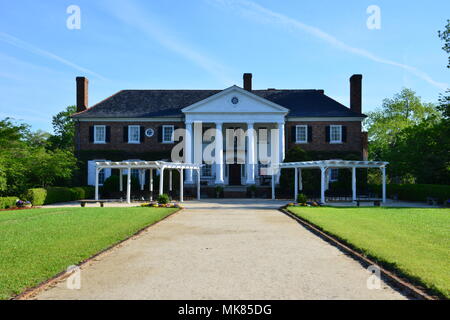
(163, 199)
(112, 184)
(301, 198)
(7, 202)
(415, 192)
(36, 196)
(89, 192)
(59, 194)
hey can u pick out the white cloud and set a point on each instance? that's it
(33, 49)
(251, 9)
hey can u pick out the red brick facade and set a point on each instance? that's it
(117, 138)
(354, 142)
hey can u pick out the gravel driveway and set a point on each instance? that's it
(233, 249)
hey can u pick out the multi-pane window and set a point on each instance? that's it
(335, 134)
(134, 134)
(167, 134)
(99, 134)
(301, 134)
(101, 177)
(207, 170)
(334, 175)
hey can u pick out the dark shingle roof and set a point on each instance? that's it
(168, 103)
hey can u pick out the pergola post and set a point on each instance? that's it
(296, 184)
(120, 180)
(181, 185)
(170, 181)
(383, 172)
(150, 182)
(142, 178)
(273, 184)
(97, 171)
(161, 181)
(129, 185)
(354, 184)
(198, 184)
(300, 180)
(322, 184)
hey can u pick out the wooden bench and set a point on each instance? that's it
(83, 202)
(376, 202)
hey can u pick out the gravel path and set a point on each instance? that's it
(233, 249)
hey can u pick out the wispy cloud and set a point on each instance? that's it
(135, 16)
(251, 9)
(41, 52)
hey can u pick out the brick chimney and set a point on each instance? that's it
(82, 93)
(355, 93)
(248, 81)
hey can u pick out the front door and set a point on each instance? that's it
(234, 174)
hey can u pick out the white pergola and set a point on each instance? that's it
(148, 165)
(324, 165)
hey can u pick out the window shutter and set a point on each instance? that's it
(309, 133)
(108, 134)
(160, 134)
(91, 134)
(142, 134)
(125, 134)
(327, 133)
(293, 133)
(344, 134)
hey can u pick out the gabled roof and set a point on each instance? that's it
(168, 103)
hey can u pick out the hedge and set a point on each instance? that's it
(41, 196)
(7, 202)
(416, 192)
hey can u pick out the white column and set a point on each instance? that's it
(96, 182)
(170, 180)
(322, 184)
(150, 183)
(181, 186)
(251, 154)
(218, 154)
(300, 179)
(281, 142)
(120, 180)
(383, 172)
(354, 184)
(280, 145)
(198, 184)
(296, 185)
(161, 181)
(129, 185)
(188, 151)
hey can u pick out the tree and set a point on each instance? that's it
(445, 36)
(64, 129)
(386, 125)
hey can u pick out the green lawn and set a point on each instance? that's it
(414, 241)
(37, 244)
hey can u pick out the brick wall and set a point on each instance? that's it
(116, 138)
(354, 141)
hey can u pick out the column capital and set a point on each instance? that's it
(218, 123)
(189, 122)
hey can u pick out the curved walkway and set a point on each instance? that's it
(229, 249)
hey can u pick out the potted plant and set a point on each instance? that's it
(252, 190)
(219, 190)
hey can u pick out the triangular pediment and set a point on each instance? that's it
(235, 100)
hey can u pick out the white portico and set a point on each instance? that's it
(233, 108)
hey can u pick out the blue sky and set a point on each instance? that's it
(208, 44)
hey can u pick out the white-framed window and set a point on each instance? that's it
(335, 134)
(301, 134)
(334, 175)
(102, 175)
(207, 170)
(167, 134)
(99, 134)
(134, 134)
